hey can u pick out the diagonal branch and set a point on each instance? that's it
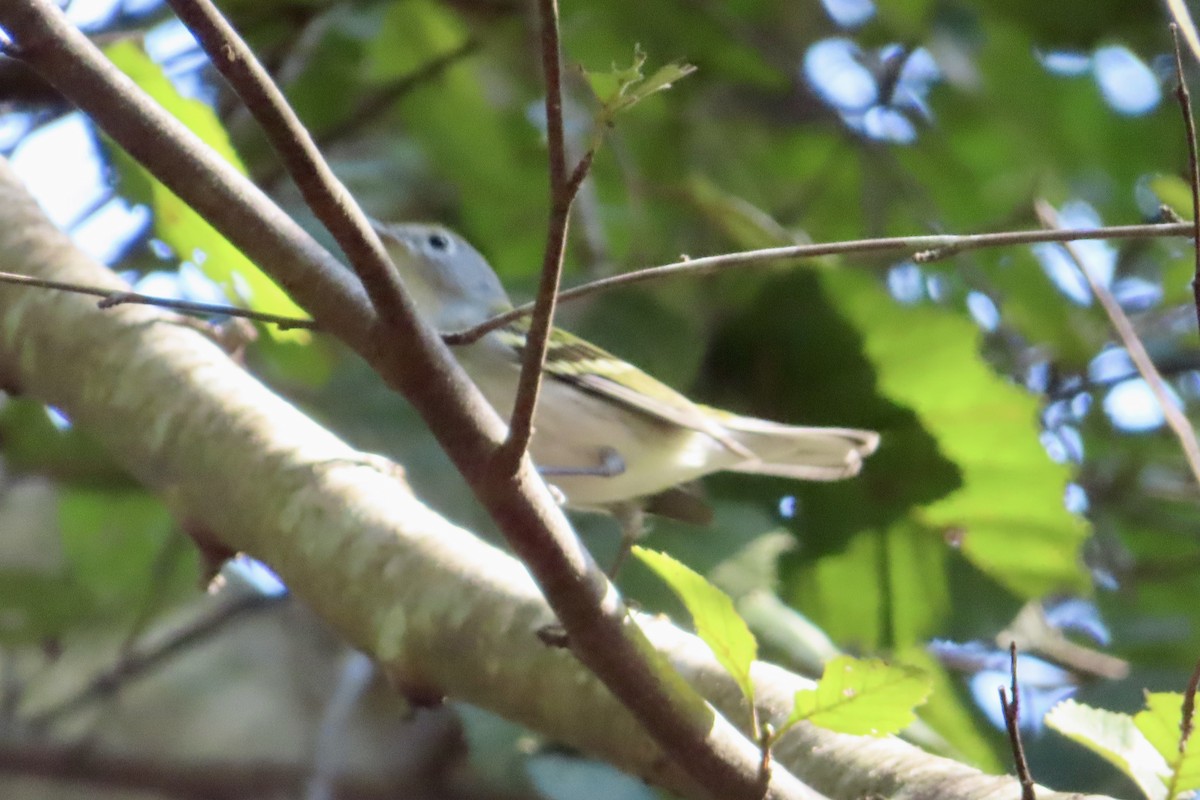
(1176, 419)
(1189, 126)
(689, 730)
(392, 577)
(322, 191)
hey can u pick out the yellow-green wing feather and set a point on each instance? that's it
(583, 364)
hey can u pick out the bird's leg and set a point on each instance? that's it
(632, 519)
(629, 516)
(611, 465)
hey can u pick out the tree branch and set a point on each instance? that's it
(922, 249)
(135, 664)
(187, 779)
(1189, 127)
(393, 578)
(116, 297)
(563, 188)
(1176, 419)
(322, 191)
(411, 358)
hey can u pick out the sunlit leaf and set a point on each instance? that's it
(1160, 724)
(1117, 739)
(611, 85)
(713, 614)
(865, 698)
(1008, 516)
(621, 88)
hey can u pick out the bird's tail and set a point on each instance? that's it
(790, 451)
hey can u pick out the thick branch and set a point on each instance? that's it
(394, 579)
(411, 358)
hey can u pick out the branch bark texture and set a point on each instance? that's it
(441, 611)
(412, 359)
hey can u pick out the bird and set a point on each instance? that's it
(607, 436)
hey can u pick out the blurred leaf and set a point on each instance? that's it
(713, 614)
(960, 459)
(175, 222)
(119, 548)
(1117, 739)
(35, 606)
(1174, 192)
(490, 152)
(32, 443)
(864, 698)
(1030, 303)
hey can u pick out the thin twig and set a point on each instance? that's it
(696, 266)
(322, 191)
(116, 297)
(1012, 719)
(563, 188)
(1133, 345)
(136, 663)
(1189, 124)
(929, 246)
(715, 755)
(1183, 18)
(1188, 717)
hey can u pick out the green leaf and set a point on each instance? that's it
(175, 223)
(35, 606)
(1173, 191)
(713, 614)
(33, 443)
(620, 89)
(1160, 724)
(610, 86)
(466, 139)
(661, 80)
(865, 698)
(121, 548)
(961, 457)
(1008, 516)
(1117, 739)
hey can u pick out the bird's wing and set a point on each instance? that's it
(583, 364)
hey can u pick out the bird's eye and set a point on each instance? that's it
(439, 242)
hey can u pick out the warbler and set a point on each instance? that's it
(608, 436)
